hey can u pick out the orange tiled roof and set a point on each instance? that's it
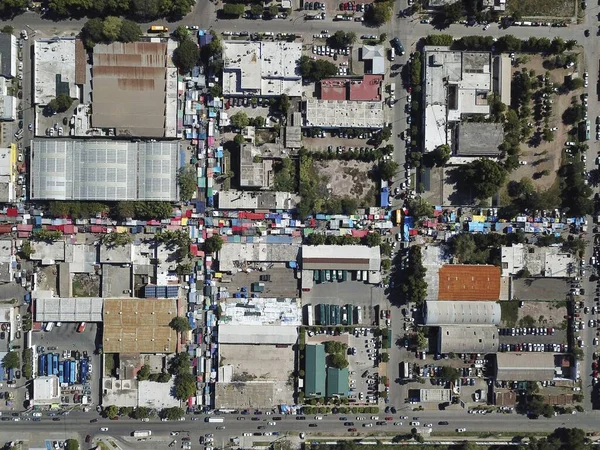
(469, 282)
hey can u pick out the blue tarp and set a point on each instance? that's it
(385, 198)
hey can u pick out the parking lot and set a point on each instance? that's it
(282, 282)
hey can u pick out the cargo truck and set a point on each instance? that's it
(142, 433)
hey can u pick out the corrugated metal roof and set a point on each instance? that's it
(314, 363)
(257, 334)
(525, 366)
(469, 282)
(468, 339)
(80, 62)
(337, 382)
(350, 257)
(457, 313)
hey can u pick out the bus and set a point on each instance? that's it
(142, 433)
(398, 217)
(158, 29)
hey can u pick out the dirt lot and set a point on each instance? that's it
(533, 314)
(347, 178)
(547, 155)
(86, 286)
(48, 279)
(546, 8)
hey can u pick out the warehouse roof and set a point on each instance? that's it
(314, 381)
(77, 309)
(8, 55)
(457, 313)
(139, 326)
(479, 139)
(337, 382)
(525, 366)
(134, 89)
(435, 395)
(257, 200)
(344, 113)
(257, 334)
(54, 69)
(66, 169)
(469, 282)
(233, 255)
(46, 390)
(468, 339)
(340, 257)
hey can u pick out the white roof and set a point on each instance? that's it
(475, 312)
(53, 58)
(257, 334)
(80, 309)
(46, 390)
(339, 256)
(344, 113)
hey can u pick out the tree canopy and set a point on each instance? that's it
(315, 70)
(233, 9)
(239, 120)
(482, 177)
(413, 284)
(380, 13)
(180, 324)
(185, 386)
(188, 182)
(341, 39)
(387, 169)
(438, 157)
(213, 244)
(10, 8)
(174, 413)
(11, 360)
(61, 103)
(186, 55)
(140, 9)
(108, 30)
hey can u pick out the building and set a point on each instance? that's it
(8, 103)
(365, 89)
(474, 140)
(337, 382)
(139, 326)
(468, 282)
(538, 261)
(8, 55)
(264, 69)
(7, 258)
(314, 364)
(76, 309)
(8, 176)
(234, 255)
(374, 59)
(54, 62)
(272, 201)
(341, 257)
(46, 390)
(435, 395)
(64, 169)
(439, 313)
(525, 366)
(456, 84)
(255, 171)
(468, 339)
(135, 89)
(343, 114)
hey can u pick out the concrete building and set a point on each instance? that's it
(539, 261)
(374, 58)
(341, 257)
(7, 259)
(343, 114)
(456, 84)
(467, 339)
(54, 62)
(8, 55)
(337, 382)
(474, 140)
(8, 175)
(46, 390)
(264, 69)
(76, 309)
(272, 201)
(355, 89)
(525, 366)
(314, 363)
(439, 313)
(8, 103)
(135, 89)
(234, 256)
(254, 173)
(65, 169)
(435, 395)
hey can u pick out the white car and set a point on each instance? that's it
(461, 430)
(103, 429)
(145, 419)
(246, 434)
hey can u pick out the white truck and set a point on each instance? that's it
(142, 433)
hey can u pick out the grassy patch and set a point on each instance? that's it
(537, 8)
(510, 312)
(110, 362)
(102, 445)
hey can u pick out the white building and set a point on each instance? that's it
(265, 69)
(46, 390)
(344, 113)
(54, 69)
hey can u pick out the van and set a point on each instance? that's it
(358, 275)
(365, 276)
(49, 326)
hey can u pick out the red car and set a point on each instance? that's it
(389, 418)
(352, 430)
(342, 6)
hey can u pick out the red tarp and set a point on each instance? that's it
(24, 227)
(12, 212)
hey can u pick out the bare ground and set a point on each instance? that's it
(346, 178)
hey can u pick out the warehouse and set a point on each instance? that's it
(525, 366)
(468, 339)
(80, 309)
(468, 282)
(337, 382)
(257, 335)
(341, 257)
(314, 363)
(461, 313)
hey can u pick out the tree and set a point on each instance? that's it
(111, 27)
(259, 121)
(385, 357)
(239, 139)
(316, 70)
(439, 156)
(27, 249)
(284, 104)
(379, 14)
(483, 177)
(180, 324)
(61, 103)
(337, 360)
(130, 31)
(341, 39)
(315, 239)
(450, 374)
(143, 373)
(188, 182)
(232, 10)
(111, 411)
(239, 120)
(186, 55)
(256, 9)
(387, 169)
(452, 12)
(373, 239)
(11, 360)
(273, 10)
(181, 33)
(349, 205)
(185, 386)
(572, 84)
(10, 8)
(72, 444)
(180, 363)
(213, 244)
(445, 40)
(174, 413)
(508, 43)
(140, 412)
(420, 208)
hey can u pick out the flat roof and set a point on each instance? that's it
(68, 169)
(366, 88)
(134, 89)
(257, 334)
(435, 395)
(257, 200)
(48, 251)
(540, 261)
(341, 257)
(8, 55)
(262, 311)
(257, 174)
(468, 339)
(54, 69)
(343, 113)
(46, 390)
(479, 139)
(262, 68)
(525, 366)
(233, 255)
(469, 282)
(75, 309)
(152, 394)
(139, 326)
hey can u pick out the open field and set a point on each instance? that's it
(345, 178)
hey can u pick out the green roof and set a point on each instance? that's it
(314, 368)
(337, 382)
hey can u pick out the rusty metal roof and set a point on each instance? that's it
(80, 62)
(469, 282)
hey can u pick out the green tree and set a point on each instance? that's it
(508, 43)
(7, 29)
(385, 357)
(140, 412)
(233, 9)
(27, 249)
(349, 205)
(188, 182)
(11, 360)
(341, 39)
(185, 386)
(92, 32)
(181, 33)
(180, 324)
(256, 9)
(125, 210)
(129, 31)
(10, 8)
(482, 177)
(379, 14)
(239, 139)
(213, 244)
(180, 363)
(420, 208)
(316, 70)
(186, 55)
(452, 12)
(61, 103)
(337, 360)
(72, 444)
(143, 373)
(284, 103)
(111, 27)
(445, 40)
(450, 374)
(111, 411)
(439, 156)
(387, 169)
(373, 239)
(315, 239)
(259, 121)
(273, 10)
(239, 120)
(174, 413)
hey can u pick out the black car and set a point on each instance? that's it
(443, 422)
(312, 425)
(348, 424)
(262, 427)
(2, 335)
(4, 419)
(56, 419)
(300, 418)
(276, 418)
(93, 420)
(255, 418)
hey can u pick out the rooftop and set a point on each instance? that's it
(479, 139)
(257, 200)
(261, 68)
(367, 88)
(468, 339)
(8, 55)
(462, 313)
(435, 395)
(375, 54)
(337, 382)
(135, 89)
(257, 334)
(525, 366)
(341, 257)
(235, 255)
(8, 159)
(469, 282)
(343, 113)
(247, 313)
(66, 169)
(79, 309)
(46, 390)
(139, 326)
(48, 252)
(152, 394)
(257, 174)
(314, 380)
(539, 261)
(54, 69)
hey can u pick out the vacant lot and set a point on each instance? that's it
(85, 285)
(347, 178)
(533, 314)
(545, 8)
